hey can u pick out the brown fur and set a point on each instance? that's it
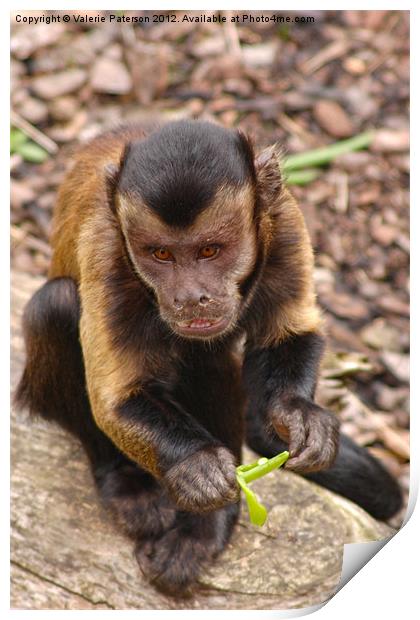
(290, 244)
(87, 246)
(285, 301)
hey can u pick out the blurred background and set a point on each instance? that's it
(305, 84)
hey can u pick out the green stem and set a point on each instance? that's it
(324, 155)
(257, 512)
(302, 177)
(265, 468)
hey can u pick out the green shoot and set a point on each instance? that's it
(253, 471)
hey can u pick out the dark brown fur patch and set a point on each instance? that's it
(283, 302)
(178, 170)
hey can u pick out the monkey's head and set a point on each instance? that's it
(186, 200)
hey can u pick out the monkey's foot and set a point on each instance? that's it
(174, 561)
(139, 505)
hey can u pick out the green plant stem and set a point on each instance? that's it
(257, 512)
(265, 468)
(302, 177)
(322, 156)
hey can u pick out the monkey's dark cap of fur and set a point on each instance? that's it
(177, 170)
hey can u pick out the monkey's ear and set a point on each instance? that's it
(111, 173)
(111, 170)
(269, 177)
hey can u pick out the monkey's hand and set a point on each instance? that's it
(312, 433)
(204, 481)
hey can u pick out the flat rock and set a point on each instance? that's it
(260, 55)
(34, 110)
(398, 364)
(391, 140)
(331, 117)
(345, 306)
(381, 335)
(64, 108)
(58, 84)
(110, 75)
(66, 553)
(20, 193)
(26, 38)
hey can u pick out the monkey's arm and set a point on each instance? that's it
(282, 381)
(130, 405)
(284, 341)
(194, 467)
(355, 474)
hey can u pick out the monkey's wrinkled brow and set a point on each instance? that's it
(228, 213)
(223, 232)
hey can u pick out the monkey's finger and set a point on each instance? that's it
(306, 461)
(221, 478)
(319, 451)
(296, 432)
(227, 464)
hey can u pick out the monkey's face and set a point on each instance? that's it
(195, 272)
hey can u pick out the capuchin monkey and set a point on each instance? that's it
(168, 249)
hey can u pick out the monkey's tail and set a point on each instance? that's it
(356, 475)
(53, 382)
(360, 477)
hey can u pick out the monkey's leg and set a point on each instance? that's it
(53, 386)
(209, 388)
(53, 382)
(174, 561)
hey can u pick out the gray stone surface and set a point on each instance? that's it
(66, 553)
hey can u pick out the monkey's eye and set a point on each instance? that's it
(163, 254)
(209, 251)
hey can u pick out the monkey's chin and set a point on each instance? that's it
(201, 328)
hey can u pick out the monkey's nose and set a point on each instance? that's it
(191, 300)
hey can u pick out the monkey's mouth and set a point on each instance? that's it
(202, 327)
